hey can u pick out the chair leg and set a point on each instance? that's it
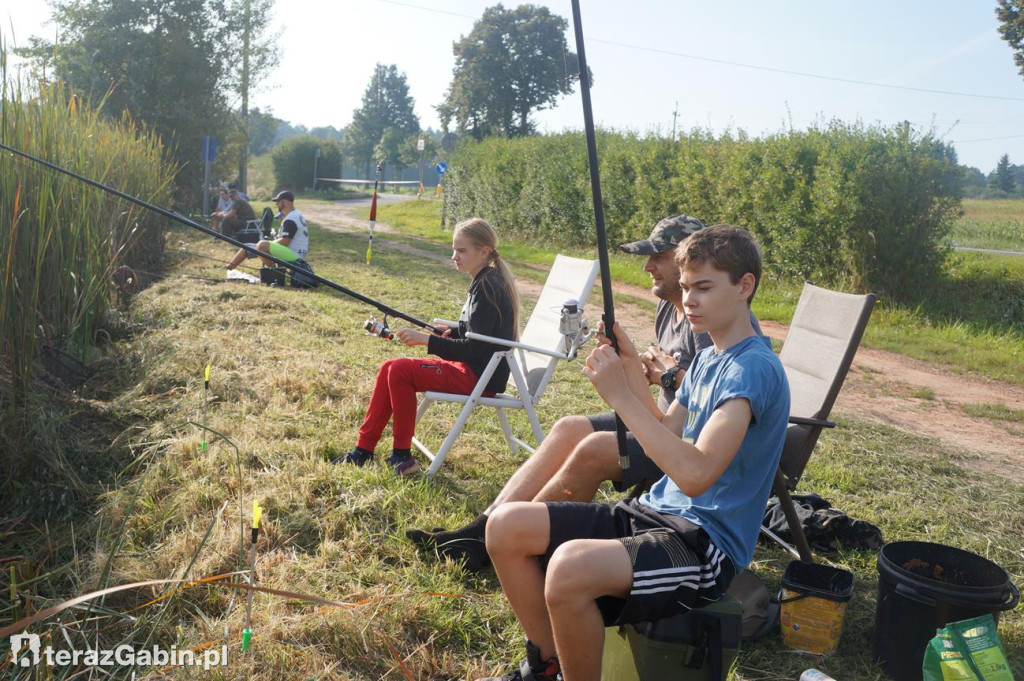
(456, 430)
(795, 529)
(509, 437)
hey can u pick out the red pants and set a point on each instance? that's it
(394, 395)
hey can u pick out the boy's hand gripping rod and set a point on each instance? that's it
(248, 248)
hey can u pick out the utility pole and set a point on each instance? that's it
(675, 115)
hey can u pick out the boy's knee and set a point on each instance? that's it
(563, 579)
(595, 456)
(507, 527)
(572, 426)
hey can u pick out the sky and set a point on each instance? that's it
(757, 66)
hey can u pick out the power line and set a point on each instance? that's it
(771, 69)
(804, 74)
(989, 139)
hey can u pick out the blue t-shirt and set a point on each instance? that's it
(732, 509)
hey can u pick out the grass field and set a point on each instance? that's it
(991, 223)
(291, 374)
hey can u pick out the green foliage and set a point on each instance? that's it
(294, 158)
(1011, 27)
(64, 242)
(1002, 178)
(512, 63)
(844, 205)
(386, 103)
(162, 62)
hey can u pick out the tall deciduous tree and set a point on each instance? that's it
(1011, 26)
(511, 64)
(386, 104)
(159, 60)
(252, 47)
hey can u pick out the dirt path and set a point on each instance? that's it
(882, 386)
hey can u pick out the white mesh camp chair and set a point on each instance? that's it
(531, 360)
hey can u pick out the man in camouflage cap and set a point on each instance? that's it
(581, 452)
(667, 234)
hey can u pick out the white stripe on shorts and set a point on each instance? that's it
(669, 579)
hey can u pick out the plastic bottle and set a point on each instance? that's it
(815, 675)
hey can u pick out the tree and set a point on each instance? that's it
(386, 103)
(295, 158)
(249, 39)
(263, 131)
(1011, 27)
(161, 61)
(1002, 178)
(511, 64)
(388, 151)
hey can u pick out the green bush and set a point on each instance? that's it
(844, 204)
(294, 159)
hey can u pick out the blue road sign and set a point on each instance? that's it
(209, 149)
(441, 168)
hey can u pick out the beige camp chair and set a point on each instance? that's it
(823, 338)
(531, 360)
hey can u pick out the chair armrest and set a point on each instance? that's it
(447, 322)
(803, 421)
(517, 345)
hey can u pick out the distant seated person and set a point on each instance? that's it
(223, 206)
(231, 222)
(234, 185)
(293, 242)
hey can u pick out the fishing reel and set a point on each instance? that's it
(573, 327)
(379, 328)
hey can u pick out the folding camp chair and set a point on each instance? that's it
(823, 338)
(531, 360)
(255, 230)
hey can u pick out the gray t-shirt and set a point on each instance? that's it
(677, 339)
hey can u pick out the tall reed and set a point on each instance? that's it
(61, 239)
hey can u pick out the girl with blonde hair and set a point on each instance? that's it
(491, 309)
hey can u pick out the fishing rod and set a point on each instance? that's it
(595, 190)
(248, 248)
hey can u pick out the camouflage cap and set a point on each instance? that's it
(667, 234)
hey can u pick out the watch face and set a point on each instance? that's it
(668, 380)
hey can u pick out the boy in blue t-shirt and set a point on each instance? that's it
(570, 569)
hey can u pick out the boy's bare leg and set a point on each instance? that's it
(538, 470)
(517, 532)
(593, 461)
(579, 573)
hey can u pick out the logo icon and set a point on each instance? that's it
(21, 657)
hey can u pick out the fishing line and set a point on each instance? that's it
(248, 248)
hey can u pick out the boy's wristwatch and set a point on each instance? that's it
(668, 379)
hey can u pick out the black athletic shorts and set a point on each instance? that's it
(641, 468)
(675, 566)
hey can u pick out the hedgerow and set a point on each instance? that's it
(842, 204)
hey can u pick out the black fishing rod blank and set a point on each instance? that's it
(248, 248)
(595, 190)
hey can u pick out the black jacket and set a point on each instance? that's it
(482, 316)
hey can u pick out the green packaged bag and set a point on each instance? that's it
(966, 651)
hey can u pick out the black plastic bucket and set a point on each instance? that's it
(923, 587)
